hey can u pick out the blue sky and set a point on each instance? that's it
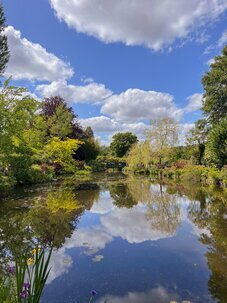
(118, 63)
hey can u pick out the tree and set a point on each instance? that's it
(16, 116)
(197, 137)
(121, 143)
(4, 52)
(89, 132)
(139, 156)
(61, 152)
(88, 151)
(216, 152)
(215, 86)
(60, 119)
(162, 135)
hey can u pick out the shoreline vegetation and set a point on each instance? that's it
(42, 140)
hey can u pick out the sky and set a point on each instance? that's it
(119, 63)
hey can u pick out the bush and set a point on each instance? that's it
(195, 173)
(224, 176)
(97, 166)
(214, 176)
(38, 175)
(6, 182)
(181, 164)
(102, 164)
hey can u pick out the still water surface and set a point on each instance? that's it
(131, 240)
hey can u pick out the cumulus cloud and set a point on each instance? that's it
(60, 263)
(106, 124)
(194, 102)
(121, 223)
(157, 295)
(136, 105)
(153, 23)
(104, 204)
(31, 61)
(105, 127)
(91, 93)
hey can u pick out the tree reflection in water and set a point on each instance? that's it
(213, 218)
(163, 210)
(49, 217)
(53, 216)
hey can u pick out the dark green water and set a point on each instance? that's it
(131, 240)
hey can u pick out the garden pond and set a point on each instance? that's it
(130, 239)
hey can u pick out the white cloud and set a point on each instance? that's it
(184, 129)
(158, 294)
(121, 223)
(210, 61)
(151, 23)
(105, 127)
(194, 102)
(115, 222)
(136, 105)
(90, 93)
(223, 39)
(31, 61)
(104, 204)
(60, 263)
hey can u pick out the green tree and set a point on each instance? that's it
(197, 138)
(90, 149)
(89, 132)
(4, 51)
(215, 86)
(121, 143)
(17, 114)
(139, 156)
(162, 135)
(60, 119)
(216, 152)
(61, 152)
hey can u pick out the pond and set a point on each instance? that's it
(130, 239)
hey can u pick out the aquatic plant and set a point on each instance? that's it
(32, 271)
(25, 282)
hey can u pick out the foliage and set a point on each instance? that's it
(103, 163)
(25, 281)
(88, 151)
(121, 195)
(216, 152)
(7, 289)
(121, 143)
(139, 156)
(61, 152)
(215, 86)
(162, 135)
(195, 173)
(4, 51)
(178, 153)
(39, 139)
(16, 115)
(197, 138)
(210, 215)
(61, 119)
(104, 150)
(32, 271)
